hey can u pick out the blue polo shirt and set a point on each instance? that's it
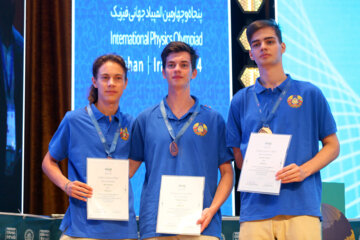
(303, 113)
(77, 139)
(202, 149)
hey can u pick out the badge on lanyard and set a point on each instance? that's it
(265, 120)
(173, 147)
(266, 130)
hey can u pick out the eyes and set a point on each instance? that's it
(267, 42)
(183, 65)
(106, 78)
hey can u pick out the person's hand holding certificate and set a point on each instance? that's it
(109, 179)
(180, 205)
(265, 156)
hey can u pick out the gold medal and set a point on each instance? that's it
(266, 130)
(173, 148)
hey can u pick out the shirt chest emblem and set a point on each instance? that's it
(124, 134)
(200, 129)
(295, 101)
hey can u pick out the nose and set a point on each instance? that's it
(177, 67)
(263, 45)
(111, 81)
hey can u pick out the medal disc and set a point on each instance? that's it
(173, 148)
(266, 130)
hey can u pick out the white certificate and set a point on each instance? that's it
(180, 205)
(265, 156)
(109, 179)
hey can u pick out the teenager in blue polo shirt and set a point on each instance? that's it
(304, 113)
(77, 139)
(200, 151)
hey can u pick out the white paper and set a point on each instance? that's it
(180, 205)
(265, 156)
(109, 179)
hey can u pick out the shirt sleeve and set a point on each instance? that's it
(233, 127)
(225, 152)
(137, 140)
(327, 124)
(59, 144)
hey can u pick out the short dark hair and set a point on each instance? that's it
(260, 24)
(93, 93)
(175, 47)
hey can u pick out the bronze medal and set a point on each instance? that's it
(266, 130)
(173, 148)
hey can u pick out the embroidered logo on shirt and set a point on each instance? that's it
(124, 134)
(200, 129)
(295, 101)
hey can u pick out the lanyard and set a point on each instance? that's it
(186, 125)
(266, 120)
(8, 67)
(101, 135)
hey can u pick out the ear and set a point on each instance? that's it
(194, 73)
(250, 55)
(164, 74)
(125, 84)
(94, 82)
(283, 47)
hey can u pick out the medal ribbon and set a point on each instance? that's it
(186, 125)
(101, 135)
(266, 120)
(8, 69)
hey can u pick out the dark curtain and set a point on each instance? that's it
(47, 98)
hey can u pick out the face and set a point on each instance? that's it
(178, 70)
(110, 82)
(266, 50)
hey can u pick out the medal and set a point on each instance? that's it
(173, 147)
(174, 150)
(266, 130)
(265, 120)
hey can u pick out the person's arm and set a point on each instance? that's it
(295, 173)
(222, 193)
(133, 167)
(238, 157)
(73, 189)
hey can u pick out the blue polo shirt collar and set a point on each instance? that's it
(260, 88)
(170, 114)
(98, 115)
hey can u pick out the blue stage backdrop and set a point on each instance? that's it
(321, 38)
(138, 31)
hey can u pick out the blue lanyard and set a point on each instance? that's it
(186, 125)
(8, 73)
(101, 135)
(265, 120)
